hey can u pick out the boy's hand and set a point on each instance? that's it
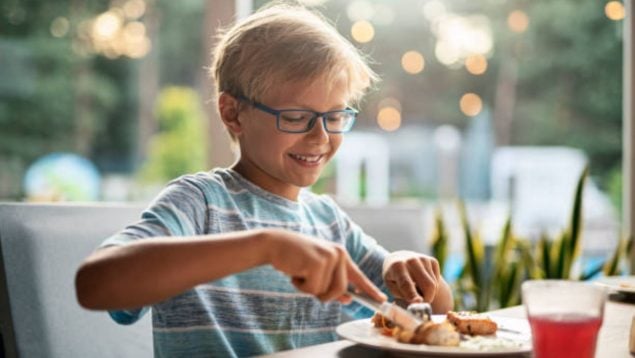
(318, 267)
(412, 276)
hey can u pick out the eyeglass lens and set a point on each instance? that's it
(302, 121)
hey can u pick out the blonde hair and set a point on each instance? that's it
(285, 43)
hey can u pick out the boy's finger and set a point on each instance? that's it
(436, 269)
(393, 288)
(327, 277)
(338, 283)
(424, 280)
(406, 285)
(359, 280)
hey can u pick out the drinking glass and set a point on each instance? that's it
(565, 317)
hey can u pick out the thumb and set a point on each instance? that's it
(361, 282)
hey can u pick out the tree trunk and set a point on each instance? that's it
(148, 84)
(505, 101)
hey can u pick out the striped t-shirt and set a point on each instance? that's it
(256, 311)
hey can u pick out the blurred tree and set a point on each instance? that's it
(180, 38)
(570, 81)
(55, 96)
(179, 147)
(556, 82)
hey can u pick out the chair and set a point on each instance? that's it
(41, 247)
(394, 226)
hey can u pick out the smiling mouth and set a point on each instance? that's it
(307, 158)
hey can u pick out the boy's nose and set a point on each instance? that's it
(318, 131)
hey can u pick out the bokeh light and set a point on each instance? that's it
(113, 33)
(471, 104)
(106, 25)
(476, 64)
(459, 37)
(412, 62)
(362, 31)
(389, 118)
(134, 9)
(614, 10)
(60, 27)
(518, 21)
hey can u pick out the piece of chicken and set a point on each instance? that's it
(472, 323)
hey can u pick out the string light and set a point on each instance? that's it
(412, 62)
(471, 104)
(362, 31)
(389, 119)
(614, 10)
(476, 64)
(518, 21)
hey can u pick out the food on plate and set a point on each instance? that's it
(446, 333)
(430, 333)
(436, 334)
(387, 326)
(472, 323)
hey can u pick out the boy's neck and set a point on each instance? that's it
(265, 181)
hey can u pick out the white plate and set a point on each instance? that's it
(624, 284)
(514, 329)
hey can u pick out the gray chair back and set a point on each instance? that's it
(41, 247)
(394, 226)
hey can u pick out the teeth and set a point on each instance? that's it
(309, 158)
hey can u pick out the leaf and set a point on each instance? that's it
(512, 286)
(498, 279)
(611, 267)
(558, 256)
(543, 252)
(503, 249)
(574, 231)
(475, 252)
(439, 239)
(532, 265)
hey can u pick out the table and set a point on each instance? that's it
(612, 341)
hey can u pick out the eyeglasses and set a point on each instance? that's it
(303, 120)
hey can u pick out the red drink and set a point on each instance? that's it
(562, 336)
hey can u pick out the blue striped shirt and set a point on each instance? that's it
(256, 311)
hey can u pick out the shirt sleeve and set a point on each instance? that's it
(367, 254)
(179, 210)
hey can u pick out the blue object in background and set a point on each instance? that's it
(62, 176)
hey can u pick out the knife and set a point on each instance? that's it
(396, 314)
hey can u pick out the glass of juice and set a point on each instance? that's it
(565, 317)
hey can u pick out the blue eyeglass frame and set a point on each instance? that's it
(311, 124)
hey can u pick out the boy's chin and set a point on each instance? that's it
(306, 181)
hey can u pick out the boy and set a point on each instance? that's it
(243, 261)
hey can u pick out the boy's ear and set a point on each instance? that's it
(228, 107)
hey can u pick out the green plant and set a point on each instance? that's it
(179, 147)
(491, 277)
(555, 258)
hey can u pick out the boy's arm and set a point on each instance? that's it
(149, 271)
